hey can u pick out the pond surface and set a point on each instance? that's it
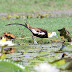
(30, 55)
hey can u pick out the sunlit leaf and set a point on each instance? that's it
(10, 66)
(3, 56)
(61, 62)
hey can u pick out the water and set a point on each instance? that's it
(31, 55)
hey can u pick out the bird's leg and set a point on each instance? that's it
(32, 37)
(34, 40)
(51, 44)
(62, 46)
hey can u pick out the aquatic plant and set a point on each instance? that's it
(10, 66)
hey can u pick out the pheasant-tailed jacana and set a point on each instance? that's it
(38, 32)
(64, 34)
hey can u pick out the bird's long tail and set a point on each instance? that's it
(17, 24)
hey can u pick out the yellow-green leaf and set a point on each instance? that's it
(3, 56)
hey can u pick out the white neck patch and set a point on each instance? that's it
(39, 33)
(34, 31)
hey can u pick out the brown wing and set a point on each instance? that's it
(9, 50)
(9, 36)
(42, 30)
(65, 34)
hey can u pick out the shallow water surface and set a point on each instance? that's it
(29, 55)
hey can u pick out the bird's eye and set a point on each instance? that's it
(37, 31)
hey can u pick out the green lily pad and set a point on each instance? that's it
(3, 56)
(10, 66)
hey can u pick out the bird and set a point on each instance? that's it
(4, 43)
(8, 36)
(64, 34)
(38, 32)
(64, 54)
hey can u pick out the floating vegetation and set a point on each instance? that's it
(10, 66)
(42, 14)
(2, 56)
(33, 55)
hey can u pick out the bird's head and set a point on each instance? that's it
(64, 54)
(28, 26)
